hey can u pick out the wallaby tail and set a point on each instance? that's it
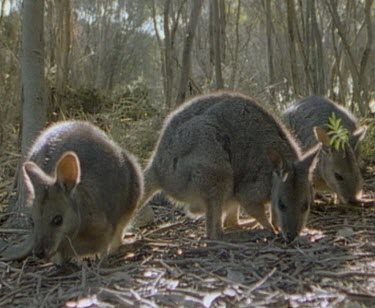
(151, 184)
(145, 215)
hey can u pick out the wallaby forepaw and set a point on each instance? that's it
(15, 253)
(248, 235)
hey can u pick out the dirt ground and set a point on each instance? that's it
(171, 264)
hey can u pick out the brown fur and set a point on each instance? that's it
(214, 155)
(83, 189)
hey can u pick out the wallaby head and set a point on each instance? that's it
(54, 209)
(292, 192)
(339, 167)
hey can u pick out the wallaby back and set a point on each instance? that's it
(83, 189)
(219, 151)
(337, 170)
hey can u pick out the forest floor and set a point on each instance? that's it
(171, 264)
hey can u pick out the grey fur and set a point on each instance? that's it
(220, 151)
(337, 170)
(96, 207)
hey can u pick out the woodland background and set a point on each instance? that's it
(123, 65)
(147, 56)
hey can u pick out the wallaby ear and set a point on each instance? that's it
(278, 162)
(311, 158)
(34, 177)
(358, 135)
(322, 136)
(68, 171)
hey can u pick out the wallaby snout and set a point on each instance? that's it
(42, 252)
(290, 236)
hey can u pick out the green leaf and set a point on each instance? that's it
(338, 133)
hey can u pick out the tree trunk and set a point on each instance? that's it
(161, 48)
(332, 7)
(362, 82)
(168, 56)
(222, 25)
(217, 44)
(211, 44)
(63, 11)
(340, 97)
(319, 73)
(186, 54)
(232, 84)
(292, 47)
(34, 104)
(271, 72)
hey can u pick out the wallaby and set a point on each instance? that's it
(220, 151)
(337, 169)
(83, 189)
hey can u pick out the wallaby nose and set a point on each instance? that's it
(290, 236)
(39, 253)
(354, 201)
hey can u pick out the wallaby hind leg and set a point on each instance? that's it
(232, 221)
(214, 223)
(214, 187)
(118, 236)
(257, 210)
(151, 185)
(237, 231)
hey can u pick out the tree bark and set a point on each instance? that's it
(337, 72)
(167, 55)
(271, 72)
(160, 44)
(319, 80)
(363, 88)
(34, 104)
(186, 54)
(360, 91)
(63, 11)
(232, 84)
(222, 25)
(292, 47)
(217, 44)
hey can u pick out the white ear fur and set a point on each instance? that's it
(359, 134)
(311, 157)
(33, 176)
(285, 176)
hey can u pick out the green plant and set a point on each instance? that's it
(338, 133)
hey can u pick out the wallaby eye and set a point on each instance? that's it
(338, 177)
(57, 220)
(282, 206)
